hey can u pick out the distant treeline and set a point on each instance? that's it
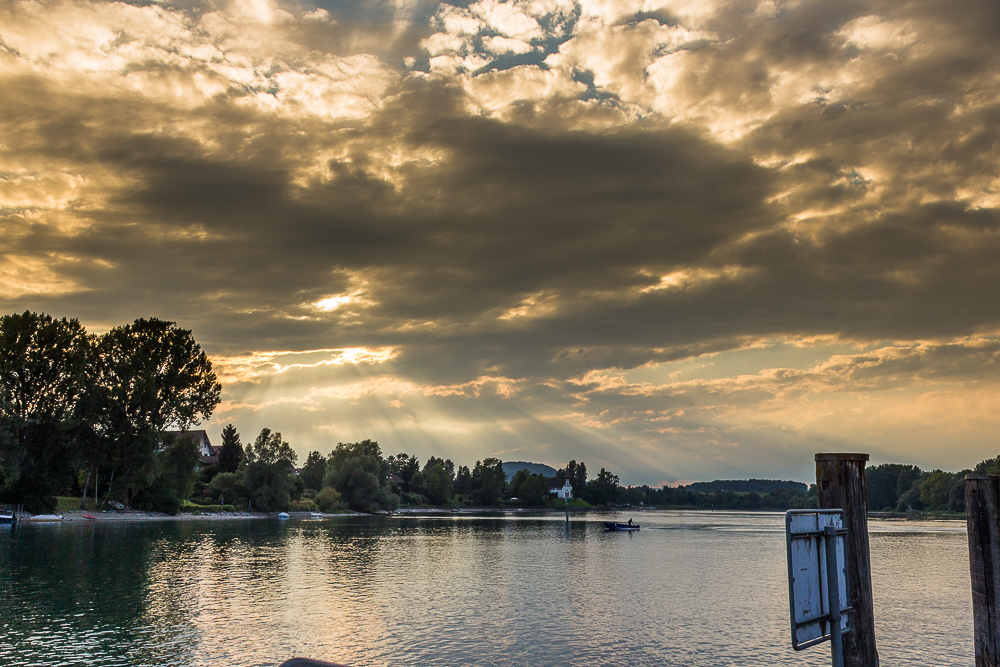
(746, 486)
(91, 415)
(894, 487)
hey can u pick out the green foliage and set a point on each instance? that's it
(934, 490)
(267, 466)
(314, 471)
(517, 480)
(603, 489)
(328, 500)
(231, 451)
(226, 485)
(886, 482)
(43, 375)
(534, 491)
(304, 505)
(179, 465)
(463, 480)
(488, 480)
(437, 484)
(361, 476)
(151, 375)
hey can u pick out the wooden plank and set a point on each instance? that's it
(982, 493)
(840, 484)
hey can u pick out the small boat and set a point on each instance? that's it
(611, 525)
(87, 516)
(45, 518)
(6, 519)
(282, 515)
(315, 515)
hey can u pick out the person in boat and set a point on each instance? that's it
(630, 522)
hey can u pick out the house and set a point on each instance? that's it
(565, 491)
(207, 454)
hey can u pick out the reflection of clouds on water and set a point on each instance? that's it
(454, 590)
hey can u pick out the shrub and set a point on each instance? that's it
(329, 499)
(304, 505)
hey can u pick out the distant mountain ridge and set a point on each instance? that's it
(511, 467)
(745, 485)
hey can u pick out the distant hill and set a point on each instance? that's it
(511, 467)
(744, 485)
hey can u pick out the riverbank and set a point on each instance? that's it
(129, 515)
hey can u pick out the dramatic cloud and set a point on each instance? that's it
(678, 239)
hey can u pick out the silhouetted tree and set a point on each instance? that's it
(231, 451)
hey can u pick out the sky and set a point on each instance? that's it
(679, 239)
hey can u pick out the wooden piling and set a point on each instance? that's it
(840, 484)
(982, 497)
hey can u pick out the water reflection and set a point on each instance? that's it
(692, 588)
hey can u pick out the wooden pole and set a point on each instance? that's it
(840, 484)
(982, 496)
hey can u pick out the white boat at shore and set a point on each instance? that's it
(44, 518)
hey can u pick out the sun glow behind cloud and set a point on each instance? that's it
(552, 227)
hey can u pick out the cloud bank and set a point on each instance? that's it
(680, 239)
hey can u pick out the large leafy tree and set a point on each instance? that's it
(268, 465)
(153, 376)
(43, 369)
(314, 471)
(534, 491)
(603, 489)
(488, 479)
(361, 476)
(231, 452)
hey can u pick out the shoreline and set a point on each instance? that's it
(119, 516)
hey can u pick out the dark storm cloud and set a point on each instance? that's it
(611, 191)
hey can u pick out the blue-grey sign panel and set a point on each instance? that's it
(807, 580)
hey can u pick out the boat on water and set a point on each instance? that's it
(282, 515)
(315, 515)
(45, 518)
(612, 525)
(6, 519)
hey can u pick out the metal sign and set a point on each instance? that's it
(806, 533)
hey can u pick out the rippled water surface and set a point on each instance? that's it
(692, 588)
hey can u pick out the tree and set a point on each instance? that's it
(463, 480)
(361, 476)
(488, 479)
(604, 489)
(152, 375)
(314, 471)
(517, 480)
(934, 490)
(43, 366)
(176, 469)
(268, 465)
(226, 486)
(437, 484)
(231, 452)
(534, 491)
(179, 466)
(404, 466)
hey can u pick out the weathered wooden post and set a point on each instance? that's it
(840, 484)
(982, 496)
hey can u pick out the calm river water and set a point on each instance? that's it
(692, 588)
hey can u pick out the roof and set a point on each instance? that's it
(201, 434)
(558, 484)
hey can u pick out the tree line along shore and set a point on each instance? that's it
(106, 419)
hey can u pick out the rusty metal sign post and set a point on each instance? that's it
(817, 579)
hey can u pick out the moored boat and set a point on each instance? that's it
(45, 518)
(612, 525)
(6, 519)
(282, 515)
